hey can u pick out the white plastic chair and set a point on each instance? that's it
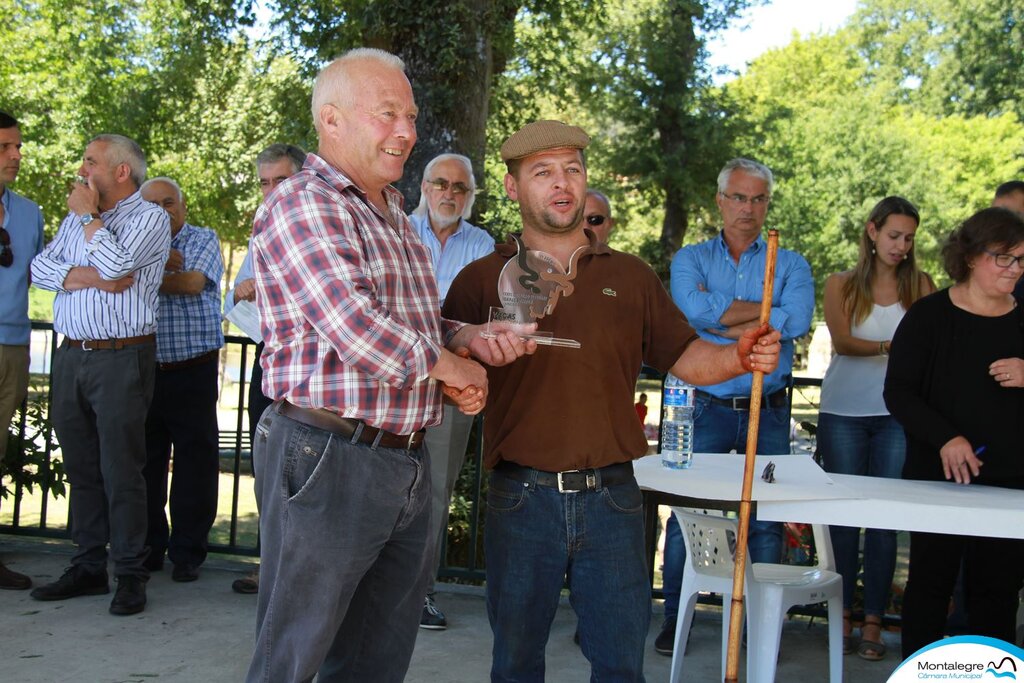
(769, 591)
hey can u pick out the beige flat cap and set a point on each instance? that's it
(541, 135)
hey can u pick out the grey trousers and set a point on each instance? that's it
(345, 532)
(447, 445)
(100, 401)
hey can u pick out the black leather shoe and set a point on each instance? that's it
(130, 597)
(13, 580)
(665, 643)
(76, 581)
(185, 572)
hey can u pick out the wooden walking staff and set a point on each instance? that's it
(753, 424)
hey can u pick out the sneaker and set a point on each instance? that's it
(13, 580)
(130, 597)
(247, 585)
(432, 618)
(76, 581)
(665, 643)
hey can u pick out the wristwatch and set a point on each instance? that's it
(87, 218)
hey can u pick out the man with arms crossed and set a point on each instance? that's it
(718, 284)
(184, 408)
(355, 364)
(106, 265)
(447, 194)
(563, 502)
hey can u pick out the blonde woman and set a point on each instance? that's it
(856, 433)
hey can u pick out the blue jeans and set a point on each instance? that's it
(536, 538)
(345, 534)
(720, 429)
(873, 446)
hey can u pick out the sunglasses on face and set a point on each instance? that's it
(442, 185)
(595, 220)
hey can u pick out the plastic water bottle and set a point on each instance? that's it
(677, 423)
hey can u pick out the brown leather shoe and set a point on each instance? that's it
(247, 585)
(12, 580)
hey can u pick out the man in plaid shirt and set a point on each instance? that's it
(184, 408)
(356, 358)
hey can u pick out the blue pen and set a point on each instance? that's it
(979, 450)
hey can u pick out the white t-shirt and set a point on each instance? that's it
(853, 384)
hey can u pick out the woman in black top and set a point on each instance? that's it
(954, 381)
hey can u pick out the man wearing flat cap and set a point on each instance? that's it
(563, 502)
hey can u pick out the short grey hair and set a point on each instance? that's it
(747, 166)
(467, 211)
(280, 150)
(335, 76)
(602, 196)
(124, 150)
(164, 179)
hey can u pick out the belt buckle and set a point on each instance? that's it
(737, 403)
(85, 344)
(591, 482)
(408, 444)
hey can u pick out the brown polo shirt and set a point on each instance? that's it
(564, 409)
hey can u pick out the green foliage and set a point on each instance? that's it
(947, 56)
(177, 76)
(838, 141)
(28, 461)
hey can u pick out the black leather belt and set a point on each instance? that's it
(347, 427)
(182, 364)
(777, 400)
(571, 481)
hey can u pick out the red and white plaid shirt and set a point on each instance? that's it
(348, 303)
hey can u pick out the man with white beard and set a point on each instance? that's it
(446, 201)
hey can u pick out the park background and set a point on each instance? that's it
(921, 99)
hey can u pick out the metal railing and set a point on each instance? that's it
(462, 556)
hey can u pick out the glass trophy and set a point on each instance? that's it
(529, 287)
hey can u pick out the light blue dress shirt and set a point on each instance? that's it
(464, 246)
(23, 221)
(705, 282)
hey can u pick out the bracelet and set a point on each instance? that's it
(881, 349)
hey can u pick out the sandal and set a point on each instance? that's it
(848, 643)
(871, 650)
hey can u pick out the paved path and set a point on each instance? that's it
(202, 632)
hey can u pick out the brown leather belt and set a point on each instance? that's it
(347, 427)
(181, 364)
(109, 344)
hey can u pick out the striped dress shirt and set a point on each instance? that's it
(348, 303)
(135, 239)
(189, 324)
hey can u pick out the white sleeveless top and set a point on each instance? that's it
(853, 384)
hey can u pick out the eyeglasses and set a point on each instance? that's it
(759, 200)
(442, 185)
(768, 475)
(595, 220)
(6, 255)
(1006, 260)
